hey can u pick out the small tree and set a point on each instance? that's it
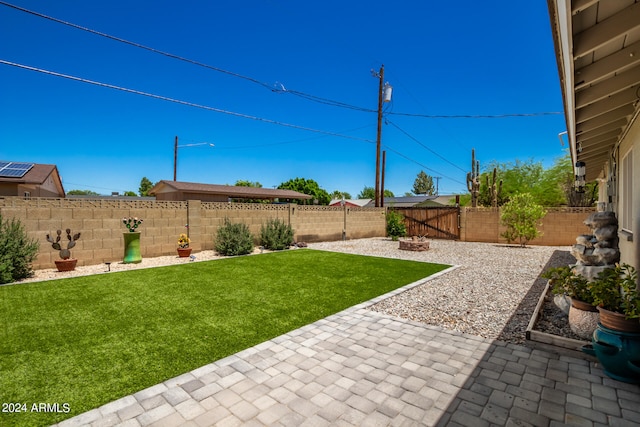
(145, 186)
(307, 186)
(337, 194)
(423, 184)
(395, 225)
(521, 215)
(370, 193)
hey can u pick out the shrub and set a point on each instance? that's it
(234, 239)
(17, 251)
(276, 235)
(395, 225)
(521, 215)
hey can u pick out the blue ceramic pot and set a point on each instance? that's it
(618, 352)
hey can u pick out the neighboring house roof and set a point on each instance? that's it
(597, 45)
(403, 202)
(429, 204)
(352, 202)
(37, 175)
(231, 191)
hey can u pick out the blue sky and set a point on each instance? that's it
(442, 59)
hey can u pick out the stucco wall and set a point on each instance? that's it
(630, 243)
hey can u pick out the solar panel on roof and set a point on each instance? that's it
(14, 169)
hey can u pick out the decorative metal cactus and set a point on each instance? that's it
(55, 244)
(473, 179)
(494, 190)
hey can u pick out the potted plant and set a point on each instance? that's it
(616, 340)
(183, 246)
(616, 294)
(583, 315)
(65, 263)
(132, 241)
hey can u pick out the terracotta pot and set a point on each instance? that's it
(66, 264)
(618, 322)
(184, 252)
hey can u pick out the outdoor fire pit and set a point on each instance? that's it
(415, 244)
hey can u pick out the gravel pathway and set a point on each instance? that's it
(491, 293)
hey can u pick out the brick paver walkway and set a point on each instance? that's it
(362, 368)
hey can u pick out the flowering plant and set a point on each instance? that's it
(183, 241)
(131, 223)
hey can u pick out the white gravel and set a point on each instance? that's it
(491, 293)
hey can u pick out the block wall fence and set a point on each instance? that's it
(100, 222)
(559, 227)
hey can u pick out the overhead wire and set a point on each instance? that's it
(178, 101)
(273, 87)
(424, 146)
(420, 164)
(138, 45)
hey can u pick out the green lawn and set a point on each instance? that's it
(86, 341)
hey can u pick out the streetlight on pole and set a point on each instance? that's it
(384, 95)
(175, 154)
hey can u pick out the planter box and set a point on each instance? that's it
(550, 342)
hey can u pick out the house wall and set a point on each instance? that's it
(629, 244)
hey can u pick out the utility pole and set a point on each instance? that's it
(384, 95)
(384, 162)
(437, 178)
(379, 135)
(175, 159)
(175, 154)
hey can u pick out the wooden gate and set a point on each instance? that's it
(435, 222)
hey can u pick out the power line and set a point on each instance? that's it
(420, 164)
(177, 101)
(273, 88)
(425, 147)
(138, 45)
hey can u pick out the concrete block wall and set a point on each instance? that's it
(100, 223)
(365, 222)
(560, 226)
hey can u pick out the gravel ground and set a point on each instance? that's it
(492, 292)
